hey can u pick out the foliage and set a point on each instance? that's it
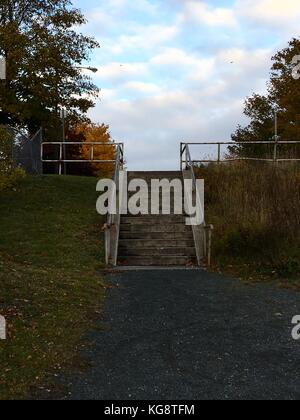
(9, 175)
(89, 132)
(284, 97)
(42, 49)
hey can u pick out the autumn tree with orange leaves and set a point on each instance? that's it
(93, 133)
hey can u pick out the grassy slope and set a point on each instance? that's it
(50, 251)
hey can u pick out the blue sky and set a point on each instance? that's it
(175, 70)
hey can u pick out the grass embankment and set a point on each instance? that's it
(50, 291)
(255, 212)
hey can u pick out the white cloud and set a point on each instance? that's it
(175, 59)
(200, 11)
(118, 72)
(142, 87)
(147, 37)
(270, 11)
(243, 59)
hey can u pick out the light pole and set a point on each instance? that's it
(276, 110)
(92, 69)
(63, 116)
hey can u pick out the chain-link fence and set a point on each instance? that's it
(26, 152)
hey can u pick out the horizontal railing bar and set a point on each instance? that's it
(288, 160)
(230, 160)
(86, 143)
(77, 161)
(242, 142)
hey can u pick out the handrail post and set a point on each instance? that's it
(186, 156)
(60, 158)
(219, 153)
(92, 152)
(181, 163)
(113, 220)
(42, 151)
(275, 150)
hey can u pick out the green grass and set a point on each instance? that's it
(50, 291)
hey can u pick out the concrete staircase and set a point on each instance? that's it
(156, 240)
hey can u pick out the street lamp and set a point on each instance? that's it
(63, 116)
(92, 69)
(276, 110)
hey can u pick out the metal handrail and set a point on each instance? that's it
(202, 245)
(62, 145)
(112, 227)
(185, 146)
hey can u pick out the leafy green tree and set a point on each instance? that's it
(42, 50)
(283, 96)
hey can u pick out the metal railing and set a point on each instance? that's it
(275, 145)
(201, 233)
(62, 158)
(112, 226)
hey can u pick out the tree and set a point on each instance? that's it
(42, 50)
(92, 133)
(283, 96)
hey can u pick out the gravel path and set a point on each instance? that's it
(189, 334)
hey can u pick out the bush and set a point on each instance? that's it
(8, 180)
(9, 175)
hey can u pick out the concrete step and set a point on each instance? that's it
(169, 210)
(167, 236)
(162, 261)
(148, 228)
(154, 175)
(157, 251)
(153, 220)
(153, 243)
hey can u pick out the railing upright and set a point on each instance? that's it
(112, 229)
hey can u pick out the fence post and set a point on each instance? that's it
(181, 164)
(275, 151)
(60, 158)
(92, 152)
(186, 157)
(219, 153)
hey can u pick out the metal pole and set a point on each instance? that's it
(63, 119)
(181, 164)
(60, 159)
(186, 157)
(219, 153)
(276, 136)
(92, 153)
(64, 139)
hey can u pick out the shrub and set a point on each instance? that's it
(9, 175)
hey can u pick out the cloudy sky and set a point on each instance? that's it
(179, 70)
